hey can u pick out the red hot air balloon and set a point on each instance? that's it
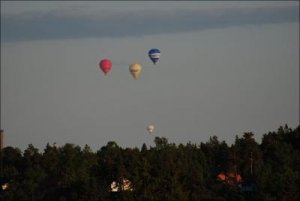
(105, 65)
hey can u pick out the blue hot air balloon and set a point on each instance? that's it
(154, 55)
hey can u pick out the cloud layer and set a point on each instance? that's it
(65, 25)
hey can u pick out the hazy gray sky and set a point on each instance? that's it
(226, 68)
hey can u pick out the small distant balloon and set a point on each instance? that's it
(154, 55)
(150, 129)
(105, 65)
(135, 70)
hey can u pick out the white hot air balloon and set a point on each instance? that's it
(150, 129)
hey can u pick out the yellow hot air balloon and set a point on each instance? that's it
(135, 70)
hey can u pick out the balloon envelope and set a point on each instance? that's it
(154, 55)
(150, 129)
(135, 70)
(105, 65)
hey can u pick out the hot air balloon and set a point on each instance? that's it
(150, 129)
(105, 65)
(154, 55)
(135, 70)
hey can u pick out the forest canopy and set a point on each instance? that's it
(245, 170)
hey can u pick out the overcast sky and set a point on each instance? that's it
(226, 68)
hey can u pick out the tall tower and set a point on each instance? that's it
(1, 139)
(1, 154)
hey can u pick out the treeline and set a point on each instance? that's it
(166, 172)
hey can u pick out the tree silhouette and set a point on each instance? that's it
(185, 172)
